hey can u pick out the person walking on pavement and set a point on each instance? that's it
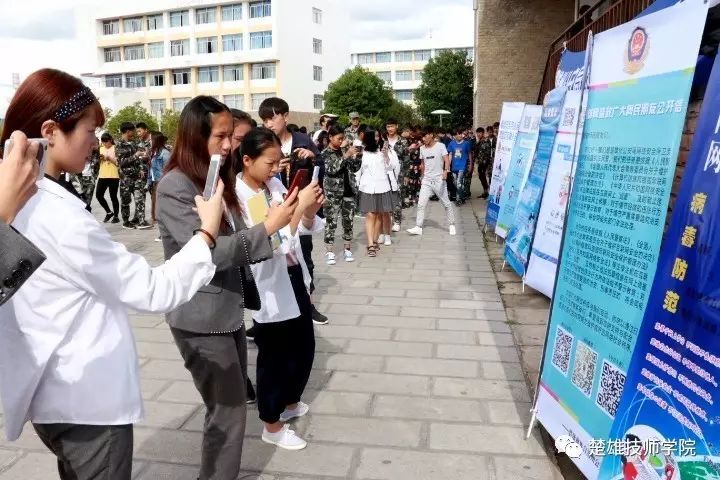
(133, 171)
(352, 132)
(108, 178)
(402, 148)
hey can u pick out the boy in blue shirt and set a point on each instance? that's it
(460, 151)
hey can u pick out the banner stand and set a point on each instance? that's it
(586, 76)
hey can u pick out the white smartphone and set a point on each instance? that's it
(316, 174)
(41, 154)
(212, 176)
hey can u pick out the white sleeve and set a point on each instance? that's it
(318, 226)
(443, 149)
(105, 268)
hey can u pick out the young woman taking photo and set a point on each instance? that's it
(69, 363)
(284, 331)
(209, 330)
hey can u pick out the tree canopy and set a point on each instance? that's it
(447, 84)
(169, 123)
(132, 113)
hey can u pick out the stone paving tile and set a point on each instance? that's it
(417, 376)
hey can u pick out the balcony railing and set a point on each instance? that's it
(602, 16)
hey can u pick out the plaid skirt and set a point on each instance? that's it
(377, 202)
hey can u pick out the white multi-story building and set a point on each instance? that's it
(400, 64)
(240, 52)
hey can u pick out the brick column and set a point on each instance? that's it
(513, 38)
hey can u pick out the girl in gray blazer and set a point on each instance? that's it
(209, 330)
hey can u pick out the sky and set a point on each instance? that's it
(42, 33)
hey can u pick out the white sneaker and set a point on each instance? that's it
(452, 230)
(330, 258)
(348, 256)
(415, 230)
(388, 240)
(381, 238)
(396, 227)
(299, 411)
(285, 438)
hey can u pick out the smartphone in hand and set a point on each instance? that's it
(300, 181)
(316, 174)
(212, 176)
(41, 154)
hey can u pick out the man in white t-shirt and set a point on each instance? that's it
(435, 167)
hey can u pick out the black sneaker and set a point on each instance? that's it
(250, 393)
(318, 318)
(108, 217)
(143, 225)
(484, 195)
(250, 333)
(115, 220)
(128, 226)
(134, 222)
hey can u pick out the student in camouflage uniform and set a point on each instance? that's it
(483, 157)
(412, 180)
(402, 149)
(341, 161)
(133, 172)
(352, 132)
(84, 182)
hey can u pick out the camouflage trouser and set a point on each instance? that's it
(397, 211)
(345, 206)
(85, 187)
(132, 189)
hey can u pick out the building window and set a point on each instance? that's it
(157, 79)
(178, 48)
(418, 74)
(260, 9)
(135, 80)
(383, 57)
(317, 16)
(318, 102)
(262, 71)
(156, 50)
(260, 40)
(112, 54)
(384, 76)
(208, 74)
(111, 27)
(404, 56)
(404, 95)
(113, 81)
(232, 73)
(207, 45)
(157, 106)
(135, 52)
(317, 73)
(204, 15)
(234, 101)
(155, 22)
(422, 55)
(365, 58)
(232, 43)
(132, 25)
(403, 75)
(181, 77)
(257, 98)
(231, 13)
(179, 103)
(317, 46)
(180, 18)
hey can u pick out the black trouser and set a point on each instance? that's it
(89, 452)
(217, 362)
(102, 185)
(482, 174)
(306, 244)
(286, 351)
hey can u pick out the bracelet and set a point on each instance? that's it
(208, 235)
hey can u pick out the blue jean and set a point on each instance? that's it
(460, 194)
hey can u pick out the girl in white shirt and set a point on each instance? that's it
(284, 332)
(376, 196)
(68, 362)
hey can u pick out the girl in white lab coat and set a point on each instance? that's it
(284, 331)
(68, 362)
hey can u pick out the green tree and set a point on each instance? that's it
(132, 113)
(169, 123)
(403, 113)
(358, 90)
(447, 84)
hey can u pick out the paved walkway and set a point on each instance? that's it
(416, 377)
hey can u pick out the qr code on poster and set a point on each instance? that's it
(561, 350)
(612, 381)
(584, 368)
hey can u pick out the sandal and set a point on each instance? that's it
(371, 251)
(376, 246)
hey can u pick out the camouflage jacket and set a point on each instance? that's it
(483, 152)
(351, 135)
(130, 165)
(402, 148)
(335, 166)
(145, 145)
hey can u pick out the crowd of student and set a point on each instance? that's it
(69, 363)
